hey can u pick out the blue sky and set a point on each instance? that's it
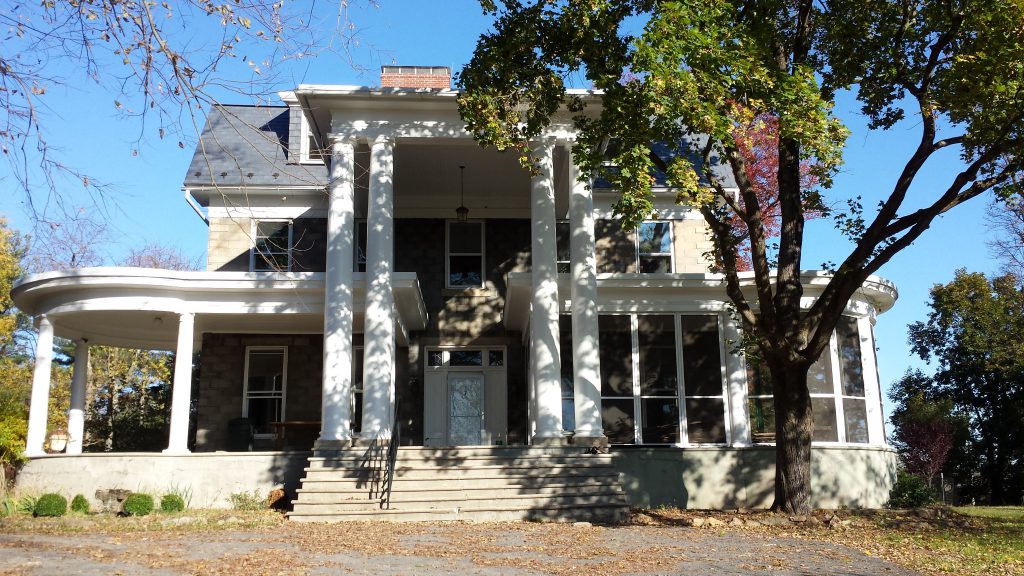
(146, 205)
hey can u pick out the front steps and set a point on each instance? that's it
(474, 484)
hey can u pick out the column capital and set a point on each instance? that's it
(342, 138)
(381, 140)
(545, 142)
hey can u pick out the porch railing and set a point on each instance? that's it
(380, 460)
(389, 471)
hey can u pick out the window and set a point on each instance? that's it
(465, 265)
(648, 249)
(266, 376)
(272, 246)
(617, 400)
(359, 258)
(654, 247)
(311, 151)
(565, 354)
(562, 247)
(839, 415)
(703, 385)
(357, 390)
(659, 390)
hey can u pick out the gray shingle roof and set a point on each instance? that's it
(248, 146)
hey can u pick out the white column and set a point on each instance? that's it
(736, 384)
(181, 390)
(336, 404)
(40, 402)
(872, 381)
(586, 372)
(545, 361)
(76, 415)
(379, 325)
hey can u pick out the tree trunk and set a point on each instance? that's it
(794, 425)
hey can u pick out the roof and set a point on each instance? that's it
(248, 146)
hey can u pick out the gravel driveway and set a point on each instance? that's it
(438, 548)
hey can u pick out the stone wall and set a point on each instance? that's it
(692, 243)
(228, 244)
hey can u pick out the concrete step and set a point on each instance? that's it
(487, 471)
(471, 492)
(601, 513)
(443, 483)
(468, 461)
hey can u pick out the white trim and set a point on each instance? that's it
(304, 134)
(266, 212)
(448, 254)
(284, 382)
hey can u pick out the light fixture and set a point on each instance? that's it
(462, 213)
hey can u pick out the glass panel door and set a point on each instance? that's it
(465, 409)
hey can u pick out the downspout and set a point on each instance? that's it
(195, 205)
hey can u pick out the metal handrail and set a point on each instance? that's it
(389, 472)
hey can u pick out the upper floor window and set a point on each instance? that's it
(648, 249)
(465, 254)
(272, 246)
(311, 150)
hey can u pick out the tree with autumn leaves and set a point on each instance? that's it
(951, 71)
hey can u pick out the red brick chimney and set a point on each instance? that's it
(433, 77)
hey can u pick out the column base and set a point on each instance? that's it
(550, 441)
(177, 451)
(367, 442)
(599, 441)
(338, 444)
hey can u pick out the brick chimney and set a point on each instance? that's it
(432, 77)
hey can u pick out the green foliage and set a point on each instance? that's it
(79, 504)
(51, 505)
(248, 500)
(910, 491)
(8, 506)
(137, 504)
(26, 505)
(129, 400)
(975, 333)
(172, 503)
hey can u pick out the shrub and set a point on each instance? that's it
(137, 504)
(26, 505)
(79, 504)
(910, 492)
(248, 500)
(51, 505)
(8, 506)
(172, 503)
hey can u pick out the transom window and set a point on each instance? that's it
(465, 254)
(478, 358)
(266, 377)
(272, 246)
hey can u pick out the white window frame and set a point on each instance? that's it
(841, 391)
(253, 255)
(684, 432)
(671, 241)
(284, 383)
(305, 152)
(448, 254)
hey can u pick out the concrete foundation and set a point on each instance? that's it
(696, 478)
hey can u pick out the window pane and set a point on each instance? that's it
(759, 380)
(360, 259)
(564, 268)
(851, 368)
(762, 419)
(357, 412)
(464, 238)
(357, 391)
(495, 358)
(705, 421)
(655, 264)
(616, 356)
(660, 420)
(818, 380)
(464, 271)
(568, 414)
(466, 358)
(275, 233)
(824, 410)
(264, 261)
(617, 416)
(702, 366)
(435, 358)
(263, 411)
(657, 338)
(856, 416)
(266, 371)
(655, 237)
(562, 242)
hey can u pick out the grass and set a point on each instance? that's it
(991, 541)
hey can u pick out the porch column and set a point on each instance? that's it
(40, 402)
(545, 361)
(379, 324)
(586, 373)
(336, 404)
(76, 415)
(181, 388)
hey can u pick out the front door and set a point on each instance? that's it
(465, 409)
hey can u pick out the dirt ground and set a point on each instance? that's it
(431, 549)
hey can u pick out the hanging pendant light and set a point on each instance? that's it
(462, 213)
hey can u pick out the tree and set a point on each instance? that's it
(161, 63)
(950, 70)
(975, 334)
(925, 429)
(15, 375)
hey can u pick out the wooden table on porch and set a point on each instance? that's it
(281, 430)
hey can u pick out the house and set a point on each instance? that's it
(370, 265)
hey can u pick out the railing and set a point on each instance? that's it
(389, 472)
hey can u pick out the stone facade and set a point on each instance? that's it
(229, 243)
